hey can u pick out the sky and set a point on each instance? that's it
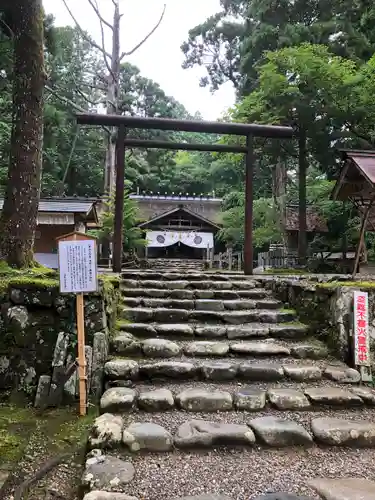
(160, 58)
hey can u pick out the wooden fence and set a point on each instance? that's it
(277, 258)
(229, 260)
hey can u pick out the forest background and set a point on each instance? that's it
(305, 63)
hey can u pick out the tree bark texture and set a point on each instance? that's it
(112, 103)
(19, 216)
(302, 173)
(279, 193)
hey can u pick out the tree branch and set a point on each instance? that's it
(124, 54)
(94, 5)
(67, 101)
(84, 34)
(365, 138)
(102, 78)
(91, 2)
(87, 99)
(11, 32)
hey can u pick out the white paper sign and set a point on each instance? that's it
(361, 330)
(77, 266)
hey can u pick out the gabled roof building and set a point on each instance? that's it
(179, 226)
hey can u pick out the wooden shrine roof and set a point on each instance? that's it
(314, 221)
(179, 211)
(356, 182)
(357, 177)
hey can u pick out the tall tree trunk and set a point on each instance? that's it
(302, 173)
(112, 103)
(19, 216)
(112, 108)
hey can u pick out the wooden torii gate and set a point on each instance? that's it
(124, 123)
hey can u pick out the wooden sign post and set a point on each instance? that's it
(78, 275)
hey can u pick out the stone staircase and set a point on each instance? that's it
(179, 265)
(229, 395)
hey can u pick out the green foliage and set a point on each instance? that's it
(265, 224)
(132, 235)
(232, 43)
(216, 42)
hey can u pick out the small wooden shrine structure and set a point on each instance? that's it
(58, 216)
(357, 184)
(315, 224)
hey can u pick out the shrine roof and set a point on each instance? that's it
(177, 210)
(314, 221)
(357, 177)
(175, 197)
(86, 206)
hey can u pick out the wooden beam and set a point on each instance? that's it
(365, 215)
(248, 229)
(119, 202)
(207, 127)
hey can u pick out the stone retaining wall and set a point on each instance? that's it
(38, 335)
(327, 307)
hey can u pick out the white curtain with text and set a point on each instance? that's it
(190, 238)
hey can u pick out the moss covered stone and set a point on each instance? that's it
(363, 285)
(33, 313)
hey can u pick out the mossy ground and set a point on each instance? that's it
(28, 440)
(38, 276)
(289, 311)
(59, 429)
(354, 284)
(285, 271)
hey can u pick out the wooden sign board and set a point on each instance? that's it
(78, 274)
(77, 263)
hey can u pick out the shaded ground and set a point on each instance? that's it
(28, 440)
(243, 474)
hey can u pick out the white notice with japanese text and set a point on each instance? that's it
(77, 266)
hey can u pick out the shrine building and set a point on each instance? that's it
(57, 217)
(179, 226)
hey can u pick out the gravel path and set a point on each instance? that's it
(176, 387)
(235, 359)
(244, 474)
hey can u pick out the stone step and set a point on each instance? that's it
(201, 331)
(126, 344)
(159, 293)
(217, 398)
(186, 284)
(189, 276)
(139, 432)
(202, 304)
(175, 263)
(224, 370)
(169, 315)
